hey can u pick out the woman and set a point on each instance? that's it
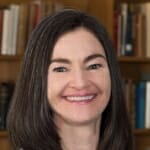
(69, 95)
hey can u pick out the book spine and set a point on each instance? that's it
(147, 106)
(6, 90)
(5, 33)
(128, 34)
(140, 105)
(22, 29)
(1, 27)
(14, 28)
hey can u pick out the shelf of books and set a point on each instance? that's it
(131, 29)
(138, 103)
(17, 21)
(131, 40)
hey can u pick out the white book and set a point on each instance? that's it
(124, 11)
(119, 39)
(14, 28)
(9, 26)
(147, 105)
(5, 32)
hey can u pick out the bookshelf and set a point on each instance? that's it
(136, 68)
(131, 67)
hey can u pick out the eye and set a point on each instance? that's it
(94, 66)
(60, 69)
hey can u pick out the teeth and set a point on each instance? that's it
(79, 98)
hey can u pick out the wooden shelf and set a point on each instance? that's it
(3, 134)
(10, 58)
(131, 59)
(142, 132)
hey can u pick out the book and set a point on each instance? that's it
(130, 99)
(34, 15)
(9, 30)
(128, 87)
(128, 47)
(117, 32)
(47, 9)
(140, 105)
(124, 8)
(147, 23)
(139, 31)
(22, 29)
(6, 90)
(1, 27)
(5, 32)
(147, 105)
(14, 8)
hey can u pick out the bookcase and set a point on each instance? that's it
(131, 67)
(136, 67)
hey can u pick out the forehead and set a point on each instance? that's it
(78, 42)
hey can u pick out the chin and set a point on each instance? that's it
(77, 120)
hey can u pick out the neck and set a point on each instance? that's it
(76, 137)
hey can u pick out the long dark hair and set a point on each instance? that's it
(30, 119)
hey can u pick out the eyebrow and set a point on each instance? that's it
(94, 56)
(60, 60)
(87, 59)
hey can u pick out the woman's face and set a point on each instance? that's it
(79, 83)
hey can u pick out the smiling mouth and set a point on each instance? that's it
(85, 98)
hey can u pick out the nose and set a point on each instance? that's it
(79, 80)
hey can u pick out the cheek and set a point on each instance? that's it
(51, 87)
(103, 81)
(104, 85)
(54, 87)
